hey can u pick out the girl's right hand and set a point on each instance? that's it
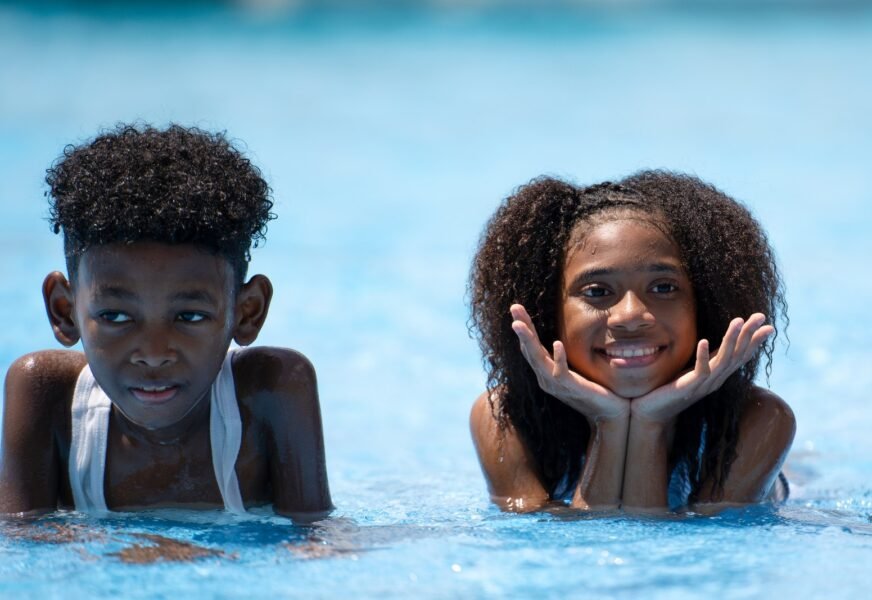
(555, 378)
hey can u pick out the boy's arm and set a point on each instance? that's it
(38, 389)
(292, 417)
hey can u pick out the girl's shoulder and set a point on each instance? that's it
(766, 429)
(507, 463)
(768, 413)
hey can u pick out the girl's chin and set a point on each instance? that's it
(632, 391)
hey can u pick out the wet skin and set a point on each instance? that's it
(155, 321)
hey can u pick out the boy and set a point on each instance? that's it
(157, 227)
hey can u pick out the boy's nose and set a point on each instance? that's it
(630, 313)
(154, 352)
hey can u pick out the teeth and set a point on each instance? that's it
(630, 352)
(155, 388)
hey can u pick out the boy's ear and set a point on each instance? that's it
(58, 295)
(252, 306)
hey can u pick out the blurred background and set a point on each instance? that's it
(390, 130)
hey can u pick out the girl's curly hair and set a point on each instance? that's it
(520, 259)
(179, 185)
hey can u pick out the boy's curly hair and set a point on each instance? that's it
(181, 185)
(520, 259)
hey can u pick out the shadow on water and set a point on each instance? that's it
(177, 536)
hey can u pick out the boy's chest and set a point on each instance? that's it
(180, 474)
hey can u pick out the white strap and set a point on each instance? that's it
(90, 425)
(90, 431)
(225, 433)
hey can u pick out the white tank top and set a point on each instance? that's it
(90, 420)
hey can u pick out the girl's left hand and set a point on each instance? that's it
(740, 342)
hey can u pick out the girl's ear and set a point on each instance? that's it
(58, 296)
(252, 306)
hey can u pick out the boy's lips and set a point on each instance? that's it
(631, 355)
(155, 394)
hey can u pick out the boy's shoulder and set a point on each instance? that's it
(36, 429)
(267, 375)
(44, 378)
(278, 397)
(272, 367)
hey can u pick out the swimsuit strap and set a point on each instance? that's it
(90, 428)
(225, 433)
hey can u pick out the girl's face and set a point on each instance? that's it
(628, 315)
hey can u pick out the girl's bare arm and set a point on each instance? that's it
(652, 416)
(766, 433)
(507, 464)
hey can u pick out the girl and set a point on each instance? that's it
(627, 283)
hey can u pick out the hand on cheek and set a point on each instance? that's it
(739, 345)
(556, 378)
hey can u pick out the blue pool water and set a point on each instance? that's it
(388, 139)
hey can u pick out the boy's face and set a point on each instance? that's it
(155, 322)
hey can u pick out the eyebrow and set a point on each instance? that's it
(111, 291)
(120, 293)
(605, 272)
(193, 296)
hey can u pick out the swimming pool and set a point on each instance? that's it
(388, 139)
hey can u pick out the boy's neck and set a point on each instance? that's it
(175, 434)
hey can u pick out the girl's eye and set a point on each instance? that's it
(664, 288)
(191, 317)
(595, 291)
(114, 316)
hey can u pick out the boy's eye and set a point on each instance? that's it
(114, 316)
(664, 288)
(191, 317)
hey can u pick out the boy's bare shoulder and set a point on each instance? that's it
(44, 377)
(271, 374)
(271, 366)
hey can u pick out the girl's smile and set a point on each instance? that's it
(628, 316)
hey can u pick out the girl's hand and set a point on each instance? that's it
(740, 342)
(554, 376)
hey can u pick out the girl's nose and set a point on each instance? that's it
(630, 313)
